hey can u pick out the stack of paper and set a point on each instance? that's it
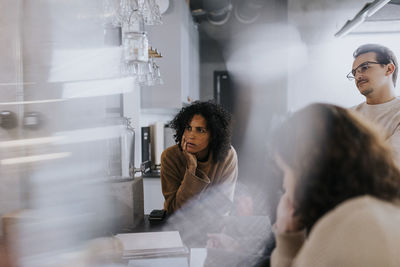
(152, 244)
(160, 262)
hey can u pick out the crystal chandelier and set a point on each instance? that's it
(131, 16)
(127, 13)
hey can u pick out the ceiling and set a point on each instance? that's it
(385, 20)
(220, 20)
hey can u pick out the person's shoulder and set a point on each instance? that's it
(358, 106)
(392, 110)
(396, 101)
(349, 233)
(171, 151)
(346, 218)
(230, 160)
(232, 150)
(355, 207)
(232, 155)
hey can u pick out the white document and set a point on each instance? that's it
(159, 262)
(151, 240)
(152, 244)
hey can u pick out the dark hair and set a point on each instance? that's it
(383, 55)
(334, 156)
(218, 124)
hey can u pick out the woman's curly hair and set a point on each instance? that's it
(218, 124)
(335, 156)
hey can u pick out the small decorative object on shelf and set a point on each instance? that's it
(154, 53)
(145, 72)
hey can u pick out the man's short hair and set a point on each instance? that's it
(383, 55)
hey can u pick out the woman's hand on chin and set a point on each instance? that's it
(190, 158)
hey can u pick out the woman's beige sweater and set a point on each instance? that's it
(361, 232)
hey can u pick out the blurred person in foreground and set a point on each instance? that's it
(375, 72)
(203, 157)
(342, 191)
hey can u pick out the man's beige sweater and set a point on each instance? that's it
(387, 116)
(361, 232)
(179, 185)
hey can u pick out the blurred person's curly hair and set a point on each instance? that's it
(218, 124)
(334, 156)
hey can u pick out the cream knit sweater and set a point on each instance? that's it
(361, 232)
(387, 116)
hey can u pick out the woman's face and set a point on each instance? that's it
(288, 177)
(197, 137)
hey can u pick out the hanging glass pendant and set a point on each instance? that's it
(125, 13)
(135, 55)
(136, 46)
(151, 12)
(131, 15)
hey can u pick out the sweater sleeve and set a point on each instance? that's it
(178, 190)
(360, 232)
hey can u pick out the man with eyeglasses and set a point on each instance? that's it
(375, 73)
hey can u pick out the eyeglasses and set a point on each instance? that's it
(362, 68)
(199, 130)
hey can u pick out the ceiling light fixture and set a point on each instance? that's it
(368, 10)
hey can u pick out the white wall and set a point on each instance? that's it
(177, 40)
(165, 38)
(53, 50)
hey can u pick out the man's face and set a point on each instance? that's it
(369, 76)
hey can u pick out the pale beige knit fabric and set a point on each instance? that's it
(179, 185)
(387, 116)
(361, 232)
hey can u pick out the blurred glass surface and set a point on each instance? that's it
(63, 84)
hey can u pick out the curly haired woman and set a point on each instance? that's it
(202, 158)
(342, 192)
